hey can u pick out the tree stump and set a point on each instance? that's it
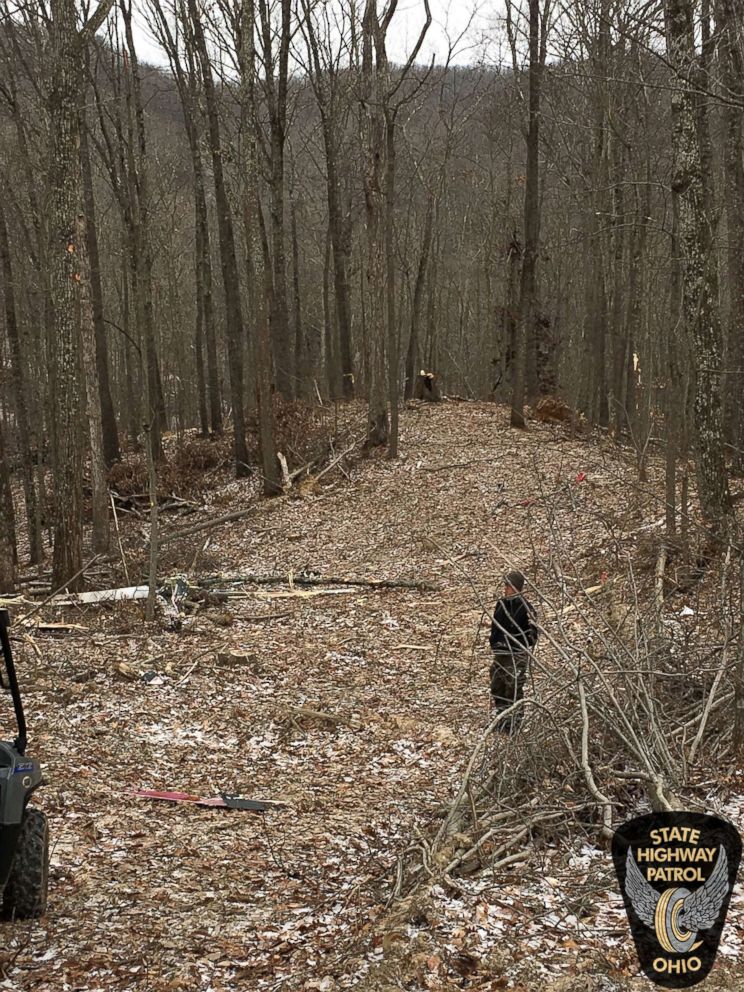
(427, 388)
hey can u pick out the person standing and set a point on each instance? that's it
(513, 635)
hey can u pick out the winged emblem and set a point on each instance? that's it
(677, 914)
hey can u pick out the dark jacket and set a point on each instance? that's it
(513, 626)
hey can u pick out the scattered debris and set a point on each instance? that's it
(223, 801)
(262, 903)
(312, 579)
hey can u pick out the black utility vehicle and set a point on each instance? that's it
(24, 834)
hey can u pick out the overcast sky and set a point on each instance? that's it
(450, 18)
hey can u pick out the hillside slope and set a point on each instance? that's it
(356, 706)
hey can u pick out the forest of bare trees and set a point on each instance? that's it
(283, 213)
(323, 325)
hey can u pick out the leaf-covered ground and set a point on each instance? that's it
(153, 896)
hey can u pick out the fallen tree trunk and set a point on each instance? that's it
(317, 580)
(208, 524)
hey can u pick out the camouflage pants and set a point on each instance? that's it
(508, 677)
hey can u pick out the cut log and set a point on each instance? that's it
(427, 387)
(103, 596)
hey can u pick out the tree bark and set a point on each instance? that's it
(698, 261)
(64, 182)
(100, 497)
(18, 377)
(8, 548)
(141, 239)
(374, 146)
(728, 20)
(528, 281)
(326, 83)
(233, 309)
(301, 363)
(275, 79)
(111, 450)
(412, 356)
(258, 274)
(393, 337)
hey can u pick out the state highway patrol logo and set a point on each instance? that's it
(676, 872)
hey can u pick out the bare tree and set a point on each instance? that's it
(731, 57)
(275, 36)
(698, 261)
(8, 546)
(109, 430)
(68, 44)
(330, 87)
(189, 89)
(228, 256)
(539, 16)
(379, 113)
(19, 379)
(260, 279)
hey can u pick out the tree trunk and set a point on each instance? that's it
(412, 357)
(132, 357)
(141, 238)
(739, 668)
(275, 67)
(64, 205)
(111, 450)
(341, 244)
(728, 22)
(374, 147)
(187, 80)
(329, 338)
(528, 283)
(301, 365)
(18, 378)
(233, 310)
(393, 337)
(8, 549)
(204, 283)
(201, 384)
(325, 79)
(100, 497)
(698, 260)
(259, 276)
(280, 335)
(205, 308)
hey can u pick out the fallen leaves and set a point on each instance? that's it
(357, 706)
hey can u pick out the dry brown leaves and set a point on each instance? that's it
(148, 896)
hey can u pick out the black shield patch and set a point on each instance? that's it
(676, 872)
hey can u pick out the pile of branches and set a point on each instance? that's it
(628, 709)
(307, 434)
(190, 467)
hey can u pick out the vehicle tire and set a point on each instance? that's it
(25, 895)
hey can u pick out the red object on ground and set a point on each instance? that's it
(581, 476)
(222, 802)
(179, 797)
